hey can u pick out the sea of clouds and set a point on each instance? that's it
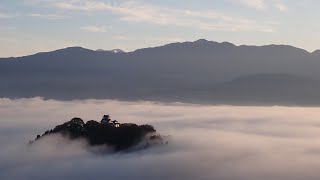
(207, 142)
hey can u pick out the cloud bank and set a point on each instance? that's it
(208, 142)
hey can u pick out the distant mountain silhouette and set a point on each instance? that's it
(114, 50)
(196, 71)
(316, 53)
(267, 89)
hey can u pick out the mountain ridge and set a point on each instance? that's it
(173, 72)
(196, 42)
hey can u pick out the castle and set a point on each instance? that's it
(107, 120)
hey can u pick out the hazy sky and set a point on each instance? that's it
(29, 26)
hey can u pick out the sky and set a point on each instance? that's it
(31, 26)
(206, 142)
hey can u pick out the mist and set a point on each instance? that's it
(207, 142)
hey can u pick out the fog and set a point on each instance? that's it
(207, 142)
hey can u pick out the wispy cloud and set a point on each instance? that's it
(6, 16)
(155, 39)
(281, 6)
(94, 29)
(47, 16)
(257, 4)
(263, 5)
(146, 13)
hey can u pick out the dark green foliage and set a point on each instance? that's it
(120, 138)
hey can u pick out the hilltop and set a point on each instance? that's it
(107, 132)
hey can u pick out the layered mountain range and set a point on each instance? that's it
(199, 72)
